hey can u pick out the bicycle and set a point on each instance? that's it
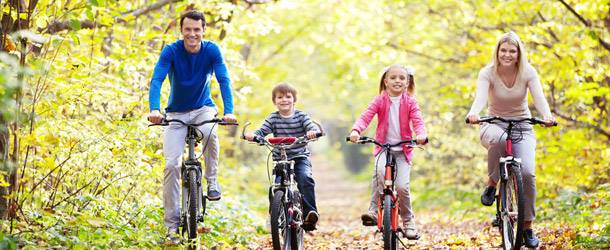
(387, 201)
(510, 198)
(192, 194)
(286, 202)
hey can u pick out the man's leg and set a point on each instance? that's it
(211, 149)
(173, 146)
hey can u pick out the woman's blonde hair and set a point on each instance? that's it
(511, 38)
(410, 80)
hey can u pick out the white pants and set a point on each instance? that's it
(403, 176)
(173, 148)
(493, 138)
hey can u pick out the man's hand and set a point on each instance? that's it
(229, 118)
(354, 136)
(155, 116)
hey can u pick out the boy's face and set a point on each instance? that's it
(284, 102)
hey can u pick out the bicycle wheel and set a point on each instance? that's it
(278, 221)
(389, 239)
(191, 214)
(296, 233)
(511, 209)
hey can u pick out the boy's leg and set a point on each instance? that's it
(306, 185)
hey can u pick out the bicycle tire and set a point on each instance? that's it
(191, 214)
(296, 233)
(512, 209)
(278, 221)
(389, 241)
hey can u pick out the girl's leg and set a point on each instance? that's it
(402, 183)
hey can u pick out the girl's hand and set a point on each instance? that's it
(473, 119)
(249, 136)
(421, 140)
(354, 136)
(311, 134)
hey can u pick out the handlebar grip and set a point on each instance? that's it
(258, 139)
(347, 139)
(467, 121)
(320, 134)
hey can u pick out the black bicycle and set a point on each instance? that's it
(510, 198)
(387, 200)
(193, 197)
(286, 202)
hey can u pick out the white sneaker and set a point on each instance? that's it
(410, 230)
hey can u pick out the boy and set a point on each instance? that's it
(288, 122)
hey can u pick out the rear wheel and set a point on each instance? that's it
(389, 239)
(278, 220)
(511, 209)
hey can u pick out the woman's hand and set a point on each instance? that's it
(549, 121)
(473, 119)
(354, 136)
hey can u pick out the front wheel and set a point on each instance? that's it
(389, 237)
(296, 232)
(278, 221)
(191, 204)
(512, 209)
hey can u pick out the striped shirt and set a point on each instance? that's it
(296, 125)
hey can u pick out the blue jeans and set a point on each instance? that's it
(305, 184)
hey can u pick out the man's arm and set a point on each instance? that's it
(159, 74)
(222, 76)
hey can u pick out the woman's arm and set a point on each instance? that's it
(480, 98)
(538, 97)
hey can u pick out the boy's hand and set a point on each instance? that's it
(421, 140)
(249, 136)
(354, 136)
(311, 134)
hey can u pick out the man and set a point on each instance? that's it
(190, 64)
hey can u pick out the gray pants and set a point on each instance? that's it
(173, 148)
(493, 138)
(403, 176)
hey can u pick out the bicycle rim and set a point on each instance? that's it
(278, 221)
(296, 233)
(388, 240)
(512, 210)
(191, 215)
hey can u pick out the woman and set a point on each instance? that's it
(505, 82)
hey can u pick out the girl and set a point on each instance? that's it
(396, 111)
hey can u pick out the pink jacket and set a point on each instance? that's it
(408, 111)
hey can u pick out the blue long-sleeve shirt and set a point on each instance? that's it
(189, 77)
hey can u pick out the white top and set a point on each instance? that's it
(509, 102)
(393, 135)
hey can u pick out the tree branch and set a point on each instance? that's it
(604, 44)
(596, 128)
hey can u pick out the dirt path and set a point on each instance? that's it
(340, 202)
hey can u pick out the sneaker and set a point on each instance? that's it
(310, 221)
(488, 196)
(529, 238)
(213, 190)
(411, 230)
(172, 238)
(368, 220)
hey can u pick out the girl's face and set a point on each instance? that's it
(396, 81)
(284, 103)
(508, 54)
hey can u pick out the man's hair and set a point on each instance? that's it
(283, 88)
(195, 15)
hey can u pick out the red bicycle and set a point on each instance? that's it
(510, 198)
(387, 201)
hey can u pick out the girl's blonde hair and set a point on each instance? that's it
(511, 38)
(410, 80)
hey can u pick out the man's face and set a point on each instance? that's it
(192, 31)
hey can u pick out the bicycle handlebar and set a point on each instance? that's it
(166, 122)
(492, 119)
(283, 141)
(364, 140)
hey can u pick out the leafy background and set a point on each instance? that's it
(81, 169)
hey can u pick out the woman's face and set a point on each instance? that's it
(508, 54)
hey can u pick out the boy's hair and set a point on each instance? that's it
(195, 15)
(410, 80)
(283, 88)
